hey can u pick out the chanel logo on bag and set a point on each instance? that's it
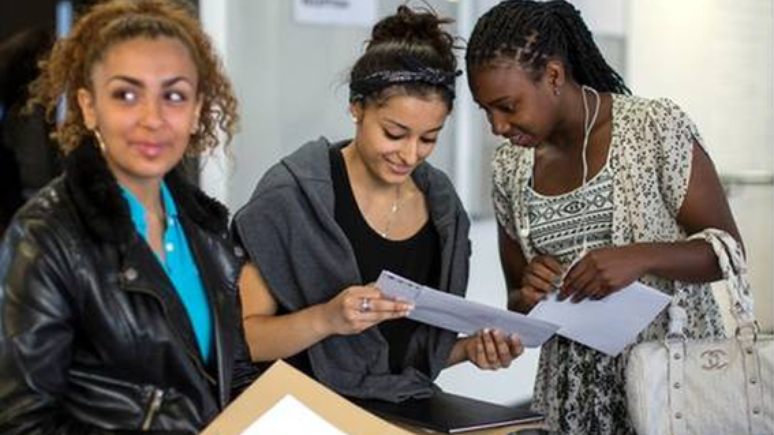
(714, 359)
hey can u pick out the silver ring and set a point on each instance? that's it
(365, 305)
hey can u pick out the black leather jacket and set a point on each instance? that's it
(93, 337)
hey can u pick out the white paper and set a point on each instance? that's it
(457, 314)
(608, 324)
(291, 417)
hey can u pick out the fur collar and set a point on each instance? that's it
(98, 198)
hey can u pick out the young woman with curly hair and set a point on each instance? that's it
(118, 281)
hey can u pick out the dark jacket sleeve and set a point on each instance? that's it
(244, 371)
(36, 333)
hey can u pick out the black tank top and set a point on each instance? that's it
(416, 258)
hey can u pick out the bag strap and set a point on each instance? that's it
(733, 267)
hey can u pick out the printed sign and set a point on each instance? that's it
(336, 12)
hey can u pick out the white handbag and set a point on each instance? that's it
(706, 387)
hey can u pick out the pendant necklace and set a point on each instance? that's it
(391, 216)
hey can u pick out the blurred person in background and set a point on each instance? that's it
(28, 157)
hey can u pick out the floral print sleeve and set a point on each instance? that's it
(504, 188)
(676, 135)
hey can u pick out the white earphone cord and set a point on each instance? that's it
(587, 127)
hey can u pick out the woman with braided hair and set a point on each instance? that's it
(593, 189)
(325, 221)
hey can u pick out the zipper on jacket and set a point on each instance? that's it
(157, 398)
(196, 360)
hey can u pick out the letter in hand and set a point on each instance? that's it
(358, 308)
(603, 271)
(491, 349)
(542, 276)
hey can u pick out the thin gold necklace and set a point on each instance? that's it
(393, 211)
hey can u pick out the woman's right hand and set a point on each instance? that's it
(358, 308)
(491, 349)
(541, 276)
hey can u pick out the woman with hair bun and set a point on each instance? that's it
(326, 220)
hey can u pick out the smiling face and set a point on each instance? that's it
(144, 103)
(394, 137)
(518, 107)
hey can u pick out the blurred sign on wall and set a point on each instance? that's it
(335, 12)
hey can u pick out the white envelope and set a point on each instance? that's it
(457, 314)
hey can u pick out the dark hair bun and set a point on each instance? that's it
(408, 40)
(409, 26)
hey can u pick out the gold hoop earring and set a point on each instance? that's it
(100, 142)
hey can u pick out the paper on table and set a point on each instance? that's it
(289, 416)
(461, 315)
(608, 324)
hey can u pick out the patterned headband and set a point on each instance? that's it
(360, 89)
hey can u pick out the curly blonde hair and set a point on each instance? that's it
(69, 66)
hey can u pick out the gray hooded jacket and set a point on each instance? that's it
(289, 230)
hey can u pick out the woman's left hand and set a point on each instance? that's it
(491, 349)
(603, 271)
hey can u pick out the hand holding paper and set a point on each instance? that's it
(458, 314)
(608, 325)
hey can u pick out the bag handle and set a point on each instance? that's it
(733, 267)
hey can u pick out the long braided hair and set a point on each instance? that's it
(533, 32)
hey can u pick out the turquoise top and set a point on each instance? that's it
(179, 266)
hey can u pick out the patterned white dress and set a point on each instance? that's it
(635, 198)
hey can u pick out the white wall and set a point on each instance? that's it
(715, 58)
(216, 167)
